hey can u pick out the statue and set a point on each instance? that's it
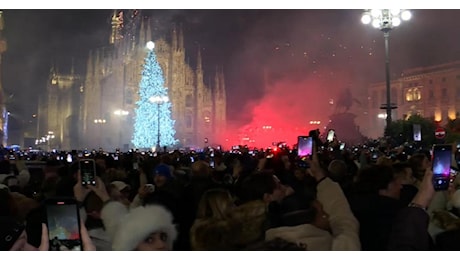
(343, 122)
(345, 101)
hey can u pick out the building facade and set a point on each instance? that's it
(109, 90)
(431, 92)
(58, 111)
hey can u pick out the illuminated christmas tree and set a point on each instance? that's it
(153, 126)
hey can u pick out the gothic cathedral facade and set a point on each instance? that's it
(107, 94)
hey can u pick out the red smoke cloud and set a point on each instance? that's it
(283, 113)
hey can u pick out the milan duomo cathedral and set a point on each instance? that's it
(97, 110)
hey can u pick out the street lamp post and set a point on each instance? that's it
(121, 114)
(49, 136)
(385, 20)
(99, 122)
(158, 100)
(46, 139)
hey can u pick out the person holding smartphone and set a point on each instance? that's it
(328, 224)
(410, 226)
(13, 237)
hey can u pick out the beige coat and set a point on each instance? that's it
(344, 226)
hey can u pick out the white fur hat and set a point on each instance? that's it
(140, 222)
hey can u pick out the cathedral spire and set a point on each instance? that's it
(72, 68)
(217, 81)
(114, 27)
(89, 65)
(148, 33)
(97, 65)
(117, 24)
(52, 69)
(56, 67)
(181, 38)
(142, 40)
(199, 64)
(174, 38)
(222, 83)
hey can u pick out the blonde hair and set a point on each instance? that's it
(200, 169)
(216, 204)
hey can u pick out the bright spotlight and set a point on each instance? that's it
(150, 45)
(366, 19)
(376, 23)
(406, 15)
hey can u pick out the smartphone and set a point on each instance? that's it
(304, 146)
(374, 155)
(417, 132)
(442, 156)
(88, 172)
(211, 162)
(63, 221)
(330, 135)
(150, 187)
(69, 158)
(342, 146)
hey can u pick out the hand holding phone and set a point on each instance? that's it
(63, 222)
(100, 190)
(145, 190)
(85, 239)
(150, 188)
(417, 132)
(315, 167)
(441, 165)
(79, 191)
(88, 172)
(426, 190)
(135, 166)
(304, 146)
(330, 135)
(211, 163)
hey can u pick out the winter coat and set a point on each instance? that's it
(245, 225)
(344, 226)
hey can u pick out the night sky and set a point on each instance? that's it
(306, 57)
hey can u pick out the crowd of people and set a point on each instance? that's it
(361, 198)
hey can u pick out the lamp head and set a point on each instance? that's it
(150, 45)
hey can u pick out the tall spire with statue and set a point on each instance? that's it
(117, 25)
(343, 120)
